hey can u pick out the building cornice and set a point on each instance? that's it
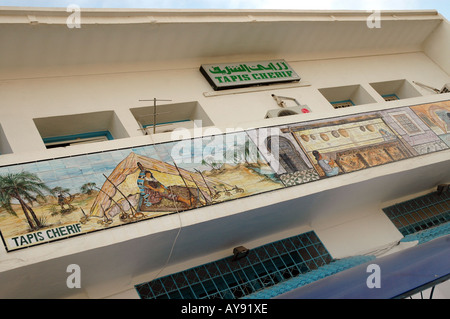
(132, 16)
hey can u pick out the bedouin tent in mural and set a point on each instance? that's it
(121, 194)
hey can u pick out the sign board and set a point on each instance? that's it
(237, 75)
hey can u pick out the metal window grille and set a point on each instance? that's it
(342, 104)
(420, 213)
(390, 97)
(263, 267)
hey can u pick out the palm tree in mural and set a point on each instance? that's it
(88, 188)
(251, 153)
(243, 153)
(22, 187)
(211, 162)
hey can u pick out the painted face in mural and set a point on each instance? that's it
(317, 155)
(147, 175)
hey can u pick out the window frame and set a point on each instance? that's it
(74, 139)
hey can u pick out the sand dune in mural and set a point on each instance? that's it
(243, 180)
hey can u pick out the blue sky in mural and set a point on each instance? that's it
(73, 172)
(441, 5)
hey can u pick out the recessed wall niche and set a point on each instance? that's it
(168, 117)
(347, 96)
(395, 90)
(67, 130)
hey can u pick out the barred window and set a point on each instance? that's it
(263, 267)
(342, 104)
(420, 213)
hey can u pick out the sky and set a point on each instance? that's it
(443, 6)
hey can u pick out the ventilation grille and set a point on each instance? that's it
(342, 104)
(263, 267)
(420, 213)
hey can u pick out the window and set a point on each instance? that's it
(263, 267)
(168, 117)
(67, 130)
(346, 96)
(395, 90)
(420, 213)
(63, 141)
(405, 121)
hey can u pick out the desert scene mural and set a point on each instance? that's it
(56, 199)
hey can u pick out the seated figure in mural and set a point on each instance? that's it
(326, 165)
(387, 136)
(152, 191)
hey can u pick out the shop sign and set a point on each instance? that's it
(237, 75)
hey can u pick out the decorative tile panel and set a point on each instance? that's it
(64, 197)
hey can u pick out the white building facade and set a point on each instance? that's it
(365, 93)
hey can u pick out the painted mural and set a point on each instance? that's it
(50, 200)
(348, 145)
(56, 199)
(418, 137)
(437, 117)
(285, 155)
(356, 142)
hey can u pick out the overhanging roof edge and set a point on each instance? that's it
(54, 15)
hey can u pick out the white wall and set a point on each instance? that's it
(25, 99)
